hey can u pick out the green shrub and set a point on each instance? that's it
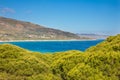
(100, 62)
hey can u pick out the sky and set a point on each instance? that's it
(77, 16)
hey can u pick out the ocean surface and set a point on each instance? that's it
(55, 46)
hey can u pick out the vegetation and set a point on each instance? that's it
(100, 62)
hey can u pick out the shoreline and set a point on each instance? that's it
(48, 40)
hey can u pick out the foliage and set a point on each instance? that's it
(100, 62)
(23, 64)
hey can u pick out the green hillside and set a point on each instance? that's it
(100, 62)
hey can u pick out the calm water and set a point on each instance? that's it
(55, 46)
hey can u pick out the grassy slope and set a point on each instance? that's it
(100, 62)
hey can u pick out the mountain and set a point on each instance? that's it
(94, 36)
(11, 29)
(100, 62)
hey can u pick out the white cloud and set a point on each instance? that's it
(6, 10)
(28, 11)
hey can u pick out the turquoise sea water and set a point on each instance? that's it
(55, 46)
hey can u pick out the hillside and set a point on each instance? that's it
(11, 29)
(100, 62)
(93, 36)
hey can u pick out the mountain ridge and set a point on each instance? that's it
(12, 29)
(93, 36)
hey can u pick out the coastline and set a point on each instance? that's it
(49, 40)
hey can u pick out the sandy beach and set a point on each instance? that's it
(48, 40)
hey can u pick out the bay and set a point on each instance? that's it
(55, 46)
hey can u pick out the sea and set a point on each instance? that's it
(55, 46)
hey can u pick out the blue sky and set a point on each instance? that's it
(77, 16)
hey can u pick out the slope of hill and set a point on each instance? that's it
(100, 62)
(19, 64)
(11, 29)
(112, 43)
(94, 36)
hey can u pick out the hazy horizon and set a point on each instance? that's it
(77, 16)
